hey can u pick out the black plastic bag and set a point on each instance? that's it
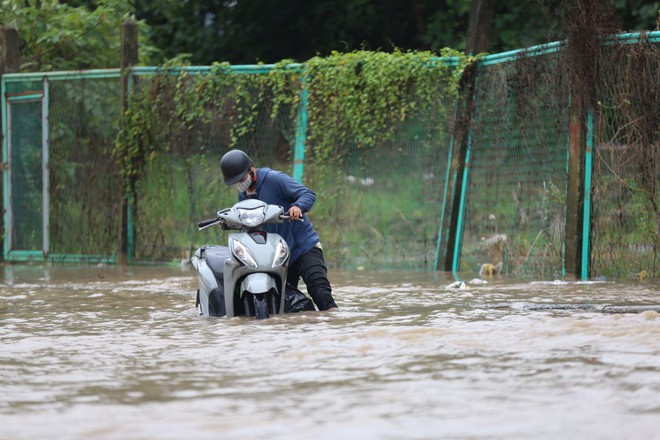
(296, 301)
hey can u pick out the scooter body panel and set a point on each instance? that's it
(208, 262)
(248, 265)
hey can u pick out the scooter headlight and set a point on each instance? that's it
(281, 253)
(251, 217)
(241, 252)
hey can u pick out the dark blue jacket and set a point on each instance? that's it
(278, 188)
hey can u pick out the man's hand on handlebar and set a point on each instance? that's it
(295, 213)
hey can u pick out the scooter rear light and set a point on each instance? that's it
(281, 254)
(242, 254)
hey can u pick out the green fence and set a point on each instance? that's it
(626, 163)
(60, 180)
(391, 205)
(515, 204)
(181, 183)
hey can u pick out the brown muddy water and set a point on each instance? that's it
(105, 353)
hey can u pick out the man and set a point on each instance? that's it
(277, 188)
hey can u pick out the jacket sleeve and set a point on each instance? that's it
(296, 193)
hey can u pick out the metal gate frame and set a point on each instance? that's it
(8, 100)
(18, 255)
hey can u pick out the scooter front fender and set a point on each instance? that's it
(258, 283)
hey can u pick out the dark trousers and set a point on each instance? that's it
(311, 268)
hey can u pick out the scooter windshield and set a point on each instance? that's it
(251, 217)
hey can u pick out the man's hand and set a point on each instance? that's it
(295, 213)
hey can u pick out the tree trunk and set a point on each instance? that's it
(481, 20)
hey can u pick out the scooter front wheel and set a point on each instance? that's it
(261, 306)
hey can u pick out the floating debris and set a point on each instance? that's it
(457, 285)
(478, 281)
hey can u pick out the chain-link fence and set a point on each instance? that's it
(385, 205)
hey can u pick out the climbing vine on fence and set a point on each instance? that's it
(170, 108)
(361, 98)
(356, 98)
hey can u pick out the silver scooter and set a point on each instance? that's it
(247, 278)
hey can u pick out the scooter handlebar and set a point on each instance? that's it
(206, 223)
(288, 217)
(214, 221)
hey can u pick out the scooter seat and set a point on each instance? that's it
(215, 259)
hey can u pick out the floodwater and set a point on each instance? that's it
(110, 353)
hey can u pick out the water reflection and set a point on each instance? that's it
(106, 353)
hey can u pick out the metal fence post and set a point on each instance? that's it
(586, 215)
(129, 58)
(301, 131)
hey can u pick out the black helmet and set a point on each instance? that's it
(234, 164)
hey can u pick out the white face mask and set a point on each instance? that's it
(244, 184)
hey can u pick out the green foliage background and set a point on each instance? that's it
(57, 36)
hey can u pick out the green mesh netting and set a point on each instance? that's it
(26, 182)
(84, 178)
(24, 145)
(514, 213)
(380, 207)
(626, 189)
(182, 183)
